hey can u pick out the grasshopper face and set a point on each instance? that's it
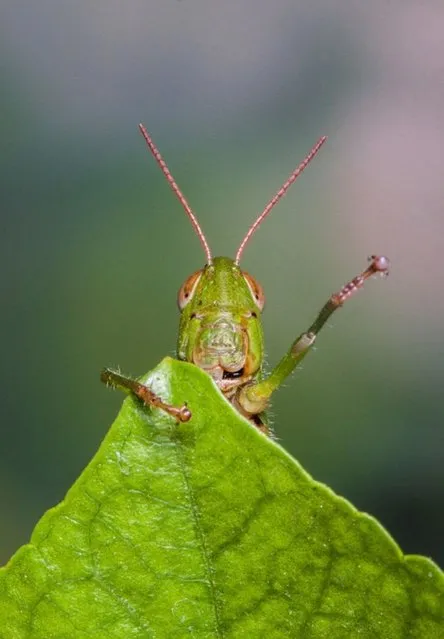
(220, 327)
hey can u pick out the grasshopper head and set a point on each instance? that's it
(220, 329)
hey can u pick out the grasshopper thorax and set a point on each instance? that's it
(220, 329)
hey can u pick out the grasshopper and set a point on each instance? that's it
(220, 319)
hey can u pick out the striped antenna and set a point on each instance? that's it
(171, 181)
(282, 191)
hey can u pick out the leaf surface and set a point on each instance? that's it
(209, 529)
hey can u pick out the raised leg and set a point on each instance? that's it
(129, 385)
(254, 398)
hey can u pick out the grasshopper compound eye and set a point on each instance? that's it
(256, 290)
(187, 289)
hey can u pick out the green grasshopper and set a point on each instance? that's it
(220, 324)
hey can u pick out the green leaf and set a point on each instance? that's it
(209, 529)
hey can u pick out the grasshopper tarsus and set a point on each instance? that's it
(148, 397)
(379, 265)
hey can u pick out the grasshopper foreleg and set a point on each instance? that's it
(129, 385)
(254, 398)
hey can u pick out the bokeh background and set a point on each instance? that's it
(94, 246)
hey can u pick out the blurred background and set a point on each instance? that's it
(93, 245)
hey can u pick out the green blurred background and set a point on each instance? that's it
(94, 246)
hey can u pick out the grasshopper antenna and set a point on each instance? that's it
(171, 181)
(274, 200)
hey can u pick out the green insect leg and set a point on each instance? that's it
(254, 398)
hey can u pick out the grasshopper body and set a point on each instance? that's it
(220, 325)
